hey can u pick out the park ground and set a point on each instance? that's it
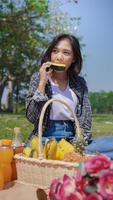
(102, 124)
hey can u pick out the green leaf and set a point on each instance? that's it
(90, 189)
(82, 168)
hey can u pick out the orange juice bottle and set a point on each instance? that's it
(1, 179)
(6, 142)
(6, 157)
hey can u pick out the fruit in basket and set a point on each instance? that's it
(34, 143)
(50, 149)
(74, 157)
(32, 149)
(34, 153)
(78, 154)
(79, 144)
(63, 147)
(27, 151)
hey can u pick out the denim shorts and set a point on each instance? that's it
(59, 129)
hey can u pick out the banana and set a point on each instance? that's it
(34, 153)
(59, 153)
(50, 149)
(45, 149)
(26, 151)
(34, 143)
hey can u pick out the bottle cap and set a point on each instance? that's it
(17, 130)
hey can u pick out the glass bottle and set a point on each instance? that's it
(17, 148)
(6, 158)
(17, 140)
(17, 137)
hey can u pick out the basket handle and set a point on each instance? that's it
(78, 129)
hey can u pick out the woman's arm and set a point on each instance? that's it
(86, 115)
(36, 98)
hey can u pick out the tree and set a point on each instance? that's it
(21, 38)
(59, 20)
(25, 30)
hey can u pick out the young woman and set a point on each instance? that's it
(65, 84)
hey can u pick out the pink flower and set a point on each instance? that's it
(53, 187)
(79, 180)
(94, 196)
(93, 180)
(67, 187)
(105, 185)
(67, 190)
(97, 163)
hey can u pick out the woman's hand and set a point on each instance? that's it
(45, 72)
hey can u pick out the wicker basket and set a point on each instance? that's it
(40, 172)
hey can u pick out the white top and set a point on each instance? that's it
(59, 111)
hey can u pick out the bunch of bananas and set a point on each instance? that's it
(50, 149)
(32, 149)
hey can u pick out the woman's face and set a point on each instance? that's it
(63, 53)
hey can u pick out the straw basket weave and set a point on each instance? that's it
(40, 172)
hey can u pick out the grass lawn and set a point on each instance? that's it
(9, 121)
(102, 125)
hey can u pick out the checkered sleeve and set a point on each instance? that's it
(35, 100)
(85, 118)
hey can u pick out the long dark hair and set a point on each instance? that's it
(75, 66)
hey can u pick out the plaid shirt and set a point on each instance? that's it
(35, 101)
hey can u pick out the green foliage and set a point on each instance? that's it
(21, 40)
(101, 102)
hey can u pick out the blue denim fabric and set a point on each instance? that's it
(102, 144)
(59, 129)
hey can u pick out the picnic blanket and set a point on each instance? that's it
(101, 144)
(19, 192)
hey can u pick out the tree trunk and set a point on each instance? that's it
(10, 99)
(2, 86)
(17, 98)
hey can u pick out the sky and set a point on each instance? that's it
(96, 28)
